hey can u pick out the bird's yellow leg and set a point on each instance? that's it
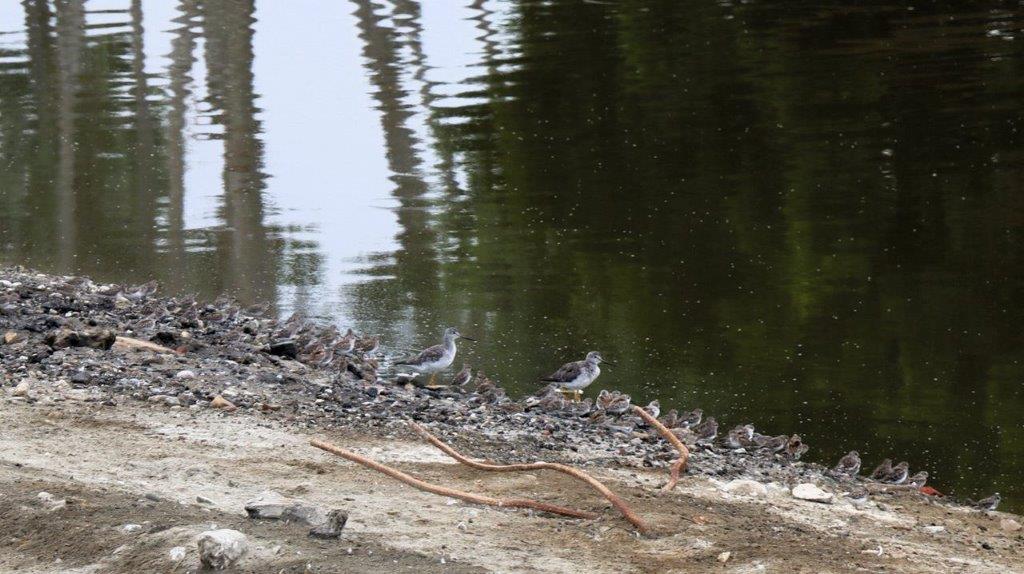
(578, 395)
(430, 383)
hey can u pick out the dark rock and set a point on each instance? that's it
(284, 348)
(93, 338)
(336, 520)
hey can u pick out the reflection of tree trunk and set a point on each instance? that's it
(143, 194)
(228, 29)
(41, 66)
(70, 37)
(182, 59)
(382, 47)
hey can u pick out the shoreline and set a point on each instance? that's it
(99, 357)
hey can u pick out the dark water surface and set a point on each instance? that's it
(809, 216)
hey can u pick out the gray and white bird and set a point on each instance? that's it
(989, 503)
(849, 465)
(898, 474)
(919, 479)
(882, 470)
(577, 375)
(437, 358)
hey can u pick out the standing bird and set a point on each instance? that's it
(899, 474)
(345, 344)
(368, 345)
(919, 479)
(882, 470)
(796, 447)
(462, 379)
(653, 408)
(691, 419)
(989, 503)
(437, 358)
(849, 465)
(707, 431)
(577, 375)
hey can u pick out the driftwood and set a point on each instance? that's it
(684, 453)
(450, 492)
(576, 473)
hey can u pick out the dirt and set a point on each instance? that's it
(146, 465)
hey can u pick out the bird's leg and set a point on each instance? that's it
(567, 393)
(430, 383)
(578, 395)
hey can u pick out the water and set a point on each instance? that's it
(806, 216)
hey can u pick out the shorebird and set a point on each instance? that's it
(707, 431)
(437, 358)
(919, 479)
(796, 447)
(899, 474)
(691, 419)
(739, 436)
(368, 345)
(346, 343)
(849, 465)
(882, 470)
(613, 402)
(989, 503)
(653, 408)
(577, 375)
(857, 496)
(462, 379)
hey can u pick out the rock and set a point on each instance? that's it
(267, 505)
(808, 491)
(22, 389)
(131, 344)
(94, 338)
(220, 402)
(744, 487)
(284, 348)
(130, 528)
(203, 500)
(305, 514)
(1009, 525)
(10, 337)
(336, 520)
(186, 374)
(220, 549)
(934, 529)
(50, 501)
(724, 557)
(177, 554)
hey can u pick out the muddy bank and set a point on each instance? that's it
(132, 436)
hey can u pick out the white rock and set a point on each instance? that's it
(808, 491)
(933, 529)
(50, 501)
(744, 487)
(267, 504)
(22, 389)
(220, 549)
(177, 554)
(129, 528)
(1009, 525)
(724, 557)
(186, 374)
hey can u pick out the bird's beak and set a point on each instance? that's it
(468, 338)
(608, 363)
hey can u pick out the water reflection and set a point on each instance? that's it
(805, 218)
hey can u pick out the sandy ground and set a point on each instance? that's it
(146, 465)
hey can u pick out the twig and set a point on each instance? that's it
(684, 453)
(576, 473)
(444, 491)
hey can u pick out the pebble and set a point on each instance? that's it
(267, 505)
(177, 554)
(51, 502)
(10, 337)
(744, 487)
(130, 528)
(185, 374)
(808, 491)
(22, 389)
(203, 500)
(336, 520)
(221, 549)
(1009, 525)
(724, 557)
(220, 402)
(934, 529)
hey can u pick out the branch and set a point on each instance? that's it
(684, 453)
(576, 473)
(443, 491)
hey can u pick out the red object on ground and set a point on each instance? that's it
(930, 491)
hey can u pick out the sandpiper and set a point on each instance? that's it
(899, 474)
(671, 419)
(345, 344)
(613, 402)
(849, 465)
(989, 503)
(691, 419)
(919, 479)
(653, 408)
(577, 375)
(368, 345)
(796, 447)
(437, 358)
(739, 436)
(707, 431)
(882, 470)
(462, 379)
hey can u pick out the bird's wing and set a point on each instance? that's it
(428, 355)
(567, 373)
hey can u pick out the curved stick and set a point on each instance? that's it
(444, 491)
(684, 453)
(576, 473)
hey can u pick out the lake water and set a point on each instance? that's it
(805, 216)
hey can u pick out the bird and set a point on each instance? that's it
(437, 358)
(772, 443)
(989, 503)
(882, 470)
(739, 436)
(462, 378)
(857, 496)
(345, 344)
(898, 474)
(707, 431)
(577, 375)
(653, 408)
(671, 419)
(613, 402)
(796, 447)
(849, 465)
(691, 419)
(919, 479)
(368, 345)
